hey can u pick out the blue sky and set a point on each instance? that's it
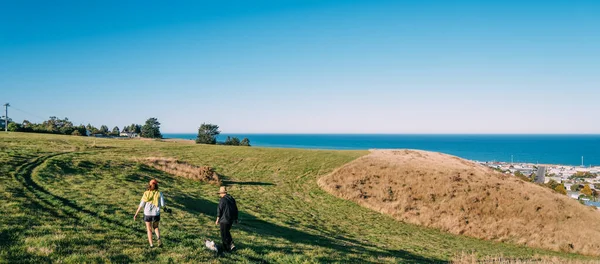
(306, 66)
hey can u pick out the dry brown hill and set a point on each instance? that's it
(462, 197)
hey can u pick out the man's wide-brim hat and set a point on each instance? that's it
(222, 189)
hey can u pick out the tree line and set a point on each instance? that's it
(207, 133)
(54, 125)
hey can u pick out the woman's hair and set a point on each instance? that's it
(153, 185)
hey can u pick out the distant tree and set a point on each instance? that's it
(125, 129)
(561, 189)
(207, 134)
(552, 184)
(151, 128)
(135, 128)
(92, 129)
(65, 126)
(587, 191)
(582, 175)
(50, 125)
(532, 177)
(115, 131)
(245, 142)
(26, 126)
(14, 127)
(103, 130)
(233, 141)
(76, 133)
(575, 187)
(82, 130)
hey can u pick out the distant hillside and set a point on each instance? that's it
(462, 197)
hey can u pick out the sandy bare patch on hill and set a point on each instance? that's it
(462, 197)
(182, 169)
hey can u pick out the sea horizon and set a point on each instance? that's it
(564, 149)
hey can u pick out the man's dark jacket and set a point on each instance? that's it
(227, 211)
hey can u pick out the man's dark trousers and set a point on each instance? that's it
(226, 236)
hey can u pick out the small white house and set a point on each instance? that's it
(128, 134)
(574, 195)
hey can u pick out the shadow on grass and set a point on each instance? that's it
(47, 201)
(250, 223)
(230, 183)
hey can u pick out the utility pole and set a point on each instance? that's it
(6, 117)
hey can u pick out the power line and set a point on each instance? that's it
(28, 113)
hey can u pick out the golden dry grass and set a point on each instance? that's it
(182, 169)
(472, 258)
(462, 197)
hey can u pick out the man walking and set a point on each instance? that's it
(227, 214)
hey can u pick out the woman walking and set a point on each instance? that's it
(152, 201)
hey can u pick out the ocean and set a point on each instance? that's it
(545, 149)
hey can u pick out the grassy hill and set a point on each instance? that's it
(462, 197)
(71, 199)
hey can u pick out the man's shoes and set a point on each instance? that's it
(159, 243)
(232, 248)
(151, 246)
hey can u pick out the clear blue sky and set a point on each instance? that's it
(306, 66)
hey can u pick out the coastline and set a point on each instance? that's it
(564, 150)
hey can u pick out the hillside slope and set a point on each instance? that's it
(461, 197)
(71, 200)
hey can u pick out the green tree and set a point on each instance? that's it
(552, 184)
(561, 189)
(245, 142)
(65, 126)
(115, 131)
(582, 174)
(232, 141)
(151, 128)
(587, 191)
(135, 128)
(207, 134)
(575, 187)
(14, 127)
(103, 130)
(82, 130)
(26, 126)
(532, 177)
(51, 125)
(76, 133)
(92, 129)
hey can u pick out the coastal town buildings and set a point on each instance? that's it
(562, 174)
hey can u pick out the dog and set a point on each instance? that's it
(212, 246)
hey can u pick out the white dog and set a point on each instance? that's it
(211, 246)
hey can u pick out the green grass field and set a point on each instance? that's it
(71, 199)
